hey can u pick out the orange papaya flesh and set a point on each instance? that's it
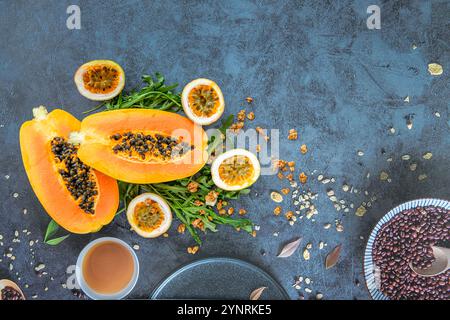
(79, 198)
(142, 145)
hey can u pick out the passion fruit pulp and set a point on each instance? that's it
(100, 79)
(149, 215)
(235, 170)
(203, 101)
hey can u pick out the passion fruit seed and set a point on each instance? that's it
(236, 170)
(204, 101)
(149, 146)
(100, 79)
(77, 176)
(148, 215)
(9, 293)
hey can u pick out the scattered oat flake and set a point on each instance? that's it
(361, 211)
(256, 294)
(333, 257)
(339, 227)
(427, 156)
(249, 99)
(289, 248)
(251, 116)
(384, 176)
(306, 254)
(406, 99)
(435, 69)
(275, 196)
(413, 167)
(406, 157)
(422, 177)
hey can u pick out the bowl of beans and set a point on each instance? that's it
(403, 237)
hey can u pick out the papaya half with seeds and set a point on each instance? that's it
(79, 198)
(142, 145)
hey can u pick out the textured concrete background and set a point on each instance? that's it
(309, 65)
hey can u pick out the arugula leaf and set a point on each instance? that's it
(153, 95)
(56, 241)
(52, 229)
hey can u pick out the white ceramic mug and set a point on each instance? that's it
(98, 296)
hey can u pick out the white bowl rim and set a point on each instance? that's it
(98, 296)
(367, 259)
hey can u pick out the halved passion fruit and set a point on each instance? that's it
(10, 291)
(149, 215)
(235, 170)
(203, 101)
(100, 79)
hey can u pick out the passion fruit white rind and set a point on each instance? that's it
(202, 120)
(247, 182)
(79, 80)
(165, 225)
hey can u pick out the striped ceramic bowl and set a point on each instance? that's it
(369, 267)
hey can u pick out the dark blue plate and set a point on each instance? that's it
(219, 278)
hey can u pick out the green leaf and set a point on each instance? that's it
(52, 228)
(56, 241)
(226, 123)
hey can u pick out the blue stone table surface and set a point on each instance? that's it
(309, 65)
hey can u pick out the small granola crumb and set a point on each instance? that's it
(292, 134)
(241, 115)
(251, 116)
(192, 186)
(181, 228)
(303, 149)
(192, 250)
(289, 215)
(249, 99)
(277, 210)
(303, 178)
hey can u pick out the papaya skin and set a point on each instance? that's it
(48, 185)
(96, 146)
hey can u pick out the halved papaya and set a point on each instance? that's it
(142, 145)
(79, 198)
